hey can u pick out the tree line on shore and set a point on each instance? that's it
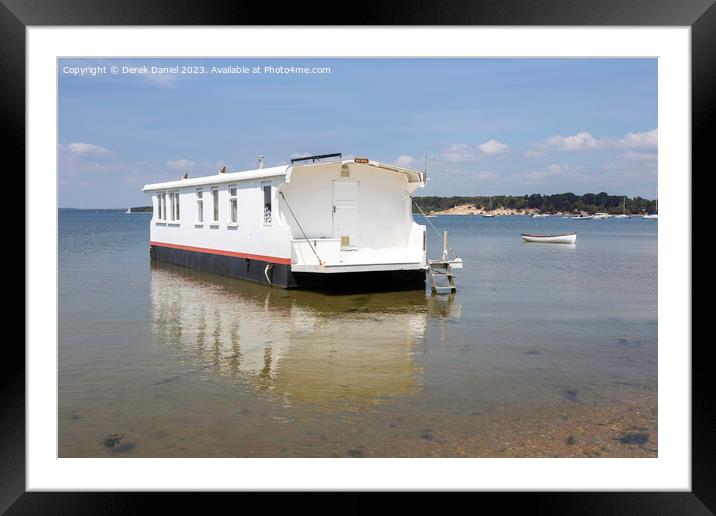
(564, 202)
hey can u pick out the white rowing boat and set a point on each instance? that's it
(568, 238)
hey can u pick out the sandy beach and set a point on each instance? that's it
(471, 209)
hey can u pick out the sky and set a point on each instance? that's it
(488, 126)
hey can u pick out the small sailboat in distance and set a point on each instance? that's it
(489, 214)
(129, 210)
(653, 215)
(623, 214)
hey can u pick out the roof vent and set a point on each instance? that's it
(222, 170)
(261, 162)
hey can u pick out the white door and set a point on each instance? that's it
(345, 213)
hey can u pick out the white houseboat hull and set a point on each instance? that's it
(338, 224)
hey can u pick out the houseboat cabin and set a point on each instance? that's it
(321, 224)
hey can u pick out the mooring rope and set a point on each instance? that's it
(426, 218)
(320, 262)
(432, 225)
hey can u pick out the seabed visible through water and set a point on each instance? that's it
(543, 352)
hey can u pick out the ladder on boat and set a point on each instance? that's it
(439, 269)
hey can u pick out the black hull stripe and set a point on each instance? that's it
(280, 274)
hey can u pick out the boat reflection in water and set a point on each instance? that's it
(297, 347)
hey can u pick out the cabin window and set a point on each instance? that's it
(266, 187)
(174, 206)
(215, 203)
(233, 206)
(199, 206)
(161, 206)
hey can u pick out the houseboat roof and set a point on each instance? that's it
(228, 177)
(413, 176)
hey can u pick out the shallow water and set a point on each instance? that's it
(544, 350)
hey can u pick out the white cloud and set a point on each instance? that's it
(79, 158)
(585, 141)
(579, 141)
(458, 152)
(551, 171)
(492, 147)
(181, 164)
(645, 140)
(486, 175)
(160, 80)
(556, 169)
(463, 152)
(405, 161)
(80, 149)
(639, 156)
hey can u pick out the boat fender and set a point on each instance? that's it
(268, 268)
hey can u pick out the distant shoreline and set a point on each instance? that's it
(468, 209)
(528, 205)
(135, 209)
(554, 204)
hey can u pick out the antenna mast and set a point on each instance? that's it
(425, 164)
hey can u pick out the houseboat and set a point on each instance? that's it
(320, 222)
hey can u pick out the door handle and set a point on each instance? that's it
(334, 208)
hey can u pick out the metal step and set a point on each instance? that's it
(440, 269)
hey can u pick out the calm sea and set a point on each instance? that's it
(543, 350)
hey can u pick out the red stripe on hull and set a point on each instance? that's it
(272, 259)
